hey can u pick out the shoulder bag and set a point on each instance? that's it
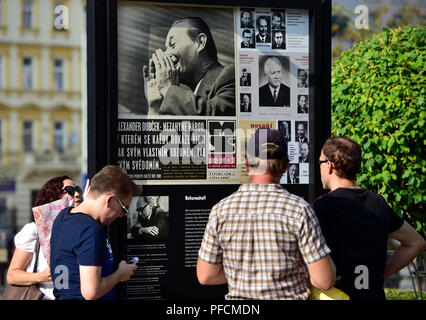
(24, 292)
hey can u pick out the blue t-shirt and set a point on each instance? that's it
(77, 239)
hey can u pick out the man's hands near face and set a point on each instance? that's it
(158, 76)
(166, 74)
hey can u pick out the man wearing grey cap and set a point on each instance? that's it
(263, 241)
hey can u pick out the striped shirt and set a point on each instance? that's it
(264, 236)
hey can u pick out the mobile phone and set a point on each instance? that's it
(133, 261)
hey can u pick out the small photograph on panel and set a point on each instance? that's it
(278, 19)
(302, 78)
(304, 152)
(302, 103)
(278, 39)
(285, 129)
(302, 131)
(247, 18)
(293, 174)
(248, 39)
(245, 105)
(274, 81)
(245, 79)
(148, 218)
(263, 29)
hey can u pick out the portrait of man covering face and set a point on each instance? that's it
(186, 78)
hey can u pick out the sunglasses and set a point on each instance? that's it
(125, 210)
(72, 190)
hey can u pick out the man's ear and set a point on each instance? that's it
(108, 199)
(330, 167)
(201, 41)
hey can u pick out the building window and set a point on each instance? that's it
(27, 14)
(59, 74)
(59, 136)
(27, 73)
(27, 136)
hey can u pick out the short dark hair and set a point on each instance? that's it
(113, 179)
(195, 27)
(244, 11)
(276, 14)
(51, 190)
(345, 154)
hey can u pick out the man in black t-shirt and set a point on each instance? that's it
(356, 224)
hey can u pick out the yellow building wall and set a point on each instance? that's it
(5, 119)
(4, 52)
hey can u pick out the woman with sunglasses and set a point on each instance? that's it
(22, 264)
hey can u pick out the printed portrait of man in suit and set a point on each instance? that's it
(245, 102)
(274, 93)
(278, 39)
(245, 79)
(263, 25)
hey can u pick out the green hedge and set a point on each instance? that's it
(378, 99)
(396, 294)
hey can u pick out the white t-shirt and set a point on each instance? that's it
(26, 240)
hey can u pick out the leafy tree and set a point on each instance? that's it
(345, 34)
(378, 99)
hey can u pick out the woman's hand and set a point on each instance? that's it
(44, 276)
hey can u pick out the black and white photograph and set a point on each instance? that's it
(293, 174)
(302, 78)
(285, 129)
(278, 39)
(302, 104)
(263, 29)
(248, 39)
(148, 218)
(302, 131)
(274, 81)
(175, 60)
(247, 18)
(304, 152)
(245, 105)
(278, 20)
(245, 78)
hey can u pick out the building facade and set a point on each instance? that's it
(41, 111)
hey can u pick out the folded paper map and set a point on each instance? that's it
(44, 216)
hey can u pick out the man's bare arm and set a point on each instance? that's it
(412, 244)
(322, 273)
(208, 273)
